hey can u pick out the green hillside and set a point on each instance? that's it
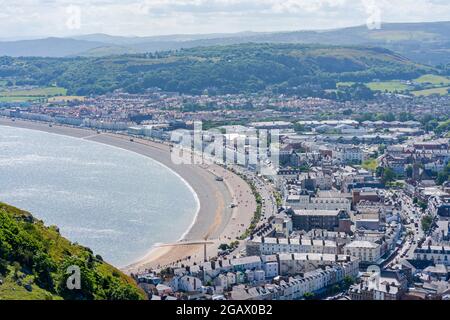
(243, 68)
(34, 261)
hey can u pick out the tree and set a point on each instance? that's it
(348, 281)
(309, 295)
(379, 172)
(347, 112)
(409, 171)
(123, 292)
(224, 247)
(427, 221)
(431, 125)
(3, 266)
(388, 175)
(444, 176)
(381, 148)
(299, 128)
(405, 116)
(423, 205)
(335, 289)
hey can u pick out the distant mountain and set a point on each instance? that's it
(101, 37)
(426, 43)
(49, 47)
(308, 70)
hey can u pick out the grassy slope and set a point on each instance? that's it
(427, 92)
(31, 94)
(389, 86)
(57, 247)
(11, 290)
(433, 79)
(434, 84)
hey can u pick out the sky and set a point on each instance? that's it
(44, 18)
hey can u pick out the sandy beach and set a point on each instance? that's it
(215, 221)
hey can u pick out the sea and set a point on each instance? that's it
(116, 202)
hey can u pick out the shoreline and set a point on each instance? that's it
(214, 220)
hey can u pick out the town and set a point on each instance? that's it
(356, 207)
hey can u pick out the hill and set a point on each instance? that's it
(34, 261)
(244, 68)
(426, 43)
(49, 47)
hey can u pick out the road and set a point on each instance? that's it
(265, 188)
(412, 214)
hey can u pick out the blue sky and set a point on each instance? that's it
(36, 18)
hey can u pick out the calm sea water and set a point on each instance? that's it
(116, 202)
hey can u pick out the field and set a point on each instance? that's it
(26, 95)
(344, 84)
(433, 79)
(11, 290)
(370, 164)
(431, 84)
(389, 86)
(427, 92)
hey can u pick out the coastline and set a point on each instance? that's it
(214, 220)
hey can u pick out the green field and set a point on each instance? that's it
(18, 99)
(371, 164)
(428, 92)
(31, 94)
(389, 86)
(432, 84)
(11, 290)
(344, 84)
(433, 79)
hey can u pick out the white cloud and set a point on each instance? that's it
(147, 17)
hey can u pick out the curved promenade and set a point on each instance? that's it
(215, 221)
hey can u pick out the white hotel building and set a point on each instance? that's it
(268, 246)
(304, 201)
